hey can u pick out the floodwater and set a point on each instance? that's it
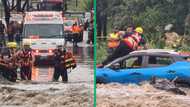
(145, 95)
(84, 58)
(41, 92)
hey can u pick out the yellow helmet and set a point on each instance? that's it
(139, 30)
(12, 45)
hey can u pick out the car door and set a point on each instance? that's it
(131, 71)
(150, 66)
(159, 66)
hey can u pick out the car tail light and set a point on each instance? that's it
(34, 36)
(50, 51)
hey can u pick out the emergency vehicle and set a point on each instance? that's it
(43, 30)
(68, 23)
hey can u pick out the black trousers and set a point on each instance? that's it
(10, 74)
(91, 36)
(60, 71)
(120, 51)
(26, 73)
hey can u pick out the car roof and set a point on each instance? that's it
(154, 51)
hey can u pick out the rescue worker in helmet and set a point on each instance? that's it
(76, 30)
(113, 40)
(127, 45)
(25, 57)
(9, 64)
(63, 60)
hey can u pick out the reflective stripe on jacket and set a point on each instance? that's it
(69, 60)
(133, 41)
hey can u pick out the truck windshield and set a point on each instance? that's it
(43, 30)
(68, 22)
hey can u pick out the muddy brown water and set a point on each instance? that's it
(145, 95)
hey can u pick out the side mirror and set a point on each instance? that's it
(116, 66)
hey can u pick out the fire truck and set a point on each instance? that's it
(44, 31)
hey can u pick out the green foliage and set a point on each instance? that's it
(83, 5)
(86, 5)
(152, 15)
(101, 51)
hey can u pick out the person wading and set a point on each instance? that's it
(25, 57)
(63, 60)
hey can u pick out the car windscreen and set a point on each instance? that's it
(43, 30)
(68, 23)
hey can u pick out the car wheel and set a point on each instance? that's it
(100, 80)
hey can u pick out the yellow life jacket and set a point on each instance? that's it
(113, 41)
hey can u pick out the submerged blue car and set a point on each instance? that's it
(144, 65)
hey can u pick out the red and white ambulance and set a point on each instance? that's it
(44, 31)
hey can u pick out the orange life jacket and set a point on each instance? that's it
(133, 41)
(113, 41)
(76, 29)
(69, 60)
(25, 58)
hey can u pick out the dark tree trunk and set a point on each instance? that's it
(18, 5)
(7, 11)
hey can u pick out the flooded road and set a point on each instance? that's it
(41, 92)
(84, 58)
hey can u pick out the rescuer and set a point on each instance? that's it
(113, 41)
(12, 61)
(25, 57)
(76, 33)
(127, 45)
(9, 65)
(91, 33)
(63, 60)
